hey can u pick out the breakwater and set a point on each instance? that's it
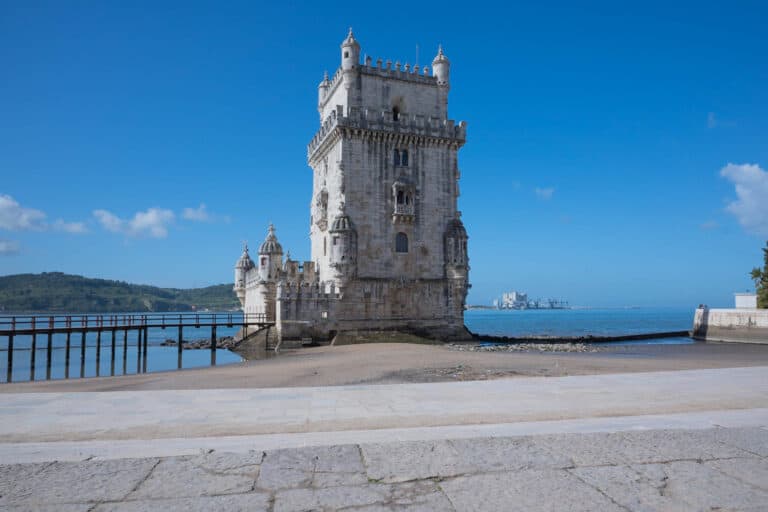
(579, 339)
(731, 325)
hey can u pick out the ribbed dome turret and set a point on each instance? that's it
(341, 223)
(456, 229)
(245, 262)
(270, 244)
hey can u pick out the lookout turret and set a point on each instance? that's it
(270, 256)
(350, 58)
(243, 265)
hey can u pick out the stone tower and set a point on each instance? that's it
(389, 250)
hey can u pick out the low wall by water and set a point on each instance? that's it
(734, 325)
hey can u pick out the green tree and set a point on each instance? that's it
(760, 277)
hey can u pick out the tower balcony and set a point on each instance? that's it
(370, 121)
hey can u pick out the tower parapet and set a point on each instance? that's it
(382, 121)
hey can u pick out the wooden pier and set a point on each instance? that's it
(116, 328)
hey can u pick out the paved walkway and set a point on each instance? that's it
(27, 417)
(680, 470)
(687, 440)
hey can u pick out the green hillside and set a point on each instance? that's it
(56, 292)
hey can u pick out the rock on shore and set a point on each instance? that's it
(524, 347)
(227, 342)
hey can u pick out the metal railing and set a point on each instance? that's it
(112, 325)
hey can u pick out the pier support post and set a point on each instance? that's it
(112, 355)
(98, 353)
(48, 356)
(180, 348)
(138, 350)
(146, 341)
(125, 351)
(66, 355)
(9, 376)
(33, 355)
(213, 345)
(82, 354)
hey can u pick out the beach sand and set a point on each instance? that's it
(391, 363)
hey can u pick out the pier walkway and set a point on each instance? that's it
(682, 440)
(111, 331)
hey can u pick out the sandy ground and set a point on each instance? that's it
(391, 363)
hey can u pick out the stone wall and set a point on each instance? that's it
(732, 325)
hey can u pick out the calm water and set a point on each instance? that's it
(579, 322)
(571, 322)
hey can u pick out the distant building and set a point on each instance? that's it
(514, 300)
(389, 249)
(745, 300)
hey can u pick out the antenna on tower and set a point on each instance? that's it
(417, 54)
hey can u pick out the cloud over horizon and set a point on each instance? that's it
(544, 194)
(153, 222)
(8, 247)
(201, 214)
(14, 217)
(751, 205)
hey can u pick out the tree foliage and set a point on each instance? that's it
(760, 277)
(56, 292)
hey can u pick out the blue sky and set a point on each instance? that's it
(595, 169)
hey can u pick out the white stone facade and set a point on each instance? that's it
(389, 250)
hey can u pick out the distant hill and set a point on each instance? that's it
(55, 292)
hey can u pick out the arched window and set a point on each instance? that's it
(400, 197)
(404, 158)
(395, 113)
(401, 242)
(325, 246)
(397, 158)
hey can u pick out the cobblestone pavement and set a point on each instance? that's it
(665, 470)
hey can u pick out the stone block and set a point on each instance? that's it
(753, 471)
(181, 477)
(525, 491)
(74, 482)
(752, 440)
(252, 502)
(702, 487)
(319, 466)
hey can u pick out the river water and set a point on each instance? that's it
(571, 322)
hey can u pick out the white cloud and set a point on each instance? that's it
(751, 205)
(544, 193)
(153, 222)
(711, 120)
(108, 221)
(8, 247)
(14, 217)
(76, 228)
(199, 214)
